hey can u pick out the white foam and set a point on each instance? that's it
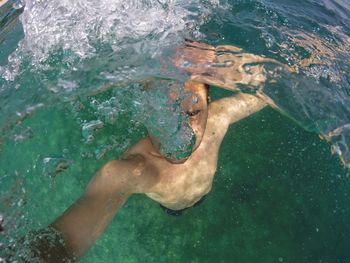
(80, 26)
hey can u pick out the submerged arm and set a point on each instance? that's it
(226, 111)
(235, 108)
(84, 222)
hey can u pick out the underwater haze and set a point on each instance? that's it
(72, 98)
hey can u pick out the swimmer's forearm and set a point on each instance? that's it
(83, 223)
(235, 108)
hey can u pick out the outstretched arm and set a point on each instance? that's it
(226, 67)
(84, 222)
(224, 112)
(235, 108)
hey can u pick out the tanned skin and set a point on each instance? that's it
(144, 170)
(175, 185)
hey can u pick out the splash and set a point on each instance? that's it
(78, 48)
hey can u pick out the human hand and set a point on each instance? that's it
(222, 66)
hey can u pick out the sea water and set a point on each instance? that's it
(72, 99)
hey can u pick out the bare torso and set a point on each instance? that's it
(181, 185)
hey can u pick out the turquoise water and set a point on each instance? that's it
(278, 195)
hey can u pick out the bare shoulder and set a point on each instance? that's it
(133, 170)
(139, 149)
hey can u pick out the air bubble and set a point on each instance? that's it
(53, 166)
(90, 128)
(18, 4)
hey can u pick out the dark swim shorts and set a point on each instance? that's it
(179, 212)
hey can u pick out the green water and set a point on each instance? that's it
(278, 195)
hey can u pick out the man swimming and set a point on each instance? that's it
(175, 184)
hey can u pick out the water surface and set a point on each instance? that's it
(278, 196)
